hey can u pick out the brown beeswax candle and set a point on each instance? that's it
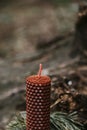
(38, 102)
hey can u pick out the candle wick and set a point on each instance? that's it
(40, 70)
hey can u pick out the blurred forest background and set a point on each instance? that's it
(51, 32)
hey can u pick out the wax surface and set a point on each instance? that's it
(35, 79)
(38, 102)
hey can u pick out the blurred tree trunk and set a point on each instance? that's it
(80, 40)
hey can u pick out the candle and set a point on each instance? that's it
(38, 102)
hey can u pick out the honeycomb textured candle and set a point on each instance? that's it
(38, 102)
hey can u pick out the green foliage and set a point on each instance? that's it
(58, 121)
(62, 121)
(18, 123)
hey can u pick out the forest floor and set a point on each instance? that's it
(19, 60)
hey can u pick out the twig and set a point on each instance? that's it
(55, 103)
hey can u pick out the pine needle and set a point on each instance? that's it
(62, 121)
(58, 121)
